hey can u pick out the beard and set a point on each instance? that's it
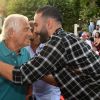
(43, 35)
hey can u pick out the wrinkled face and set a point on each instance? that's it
(23, 35)
(40, 27)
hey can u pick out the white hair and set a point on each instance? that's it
(13, 21)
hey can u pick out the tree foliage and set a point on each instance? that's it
(25, 7)
(89, 11)
(28, 8)
(67, 9)
(71, 10)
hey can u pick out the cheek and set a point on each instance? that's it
(22, 38)
(37, 29)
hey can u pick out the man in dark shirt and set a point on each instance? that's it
(71, 61)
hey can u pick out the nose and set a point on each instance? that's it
(35, 30)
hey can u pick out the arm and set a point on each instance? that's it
(29, 92)
(35, 68)
(6, 70)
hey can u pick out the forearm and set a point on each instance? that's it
(6, 71)
(29, 92)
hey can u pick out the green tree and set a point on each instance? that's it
(89, 11)
(69, 10)
(25, 7)
(28, 8)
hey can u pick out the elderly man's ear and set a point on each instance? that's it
(11, 32)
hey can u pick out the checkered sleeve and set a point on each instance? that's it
(38, 66)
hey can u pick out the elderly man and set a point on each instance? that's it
(15, 35)
(71, 61)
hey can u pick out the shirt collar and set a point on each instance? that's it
(58, 31)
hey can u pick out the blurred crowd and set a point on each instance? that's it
(91, 37)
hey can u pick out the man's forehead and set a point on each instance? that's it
(37, 16)
(36, 19)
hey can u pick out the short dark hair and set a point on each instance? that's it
(50, 11)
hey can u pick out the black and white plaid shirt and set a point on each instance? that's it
(74, 65)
